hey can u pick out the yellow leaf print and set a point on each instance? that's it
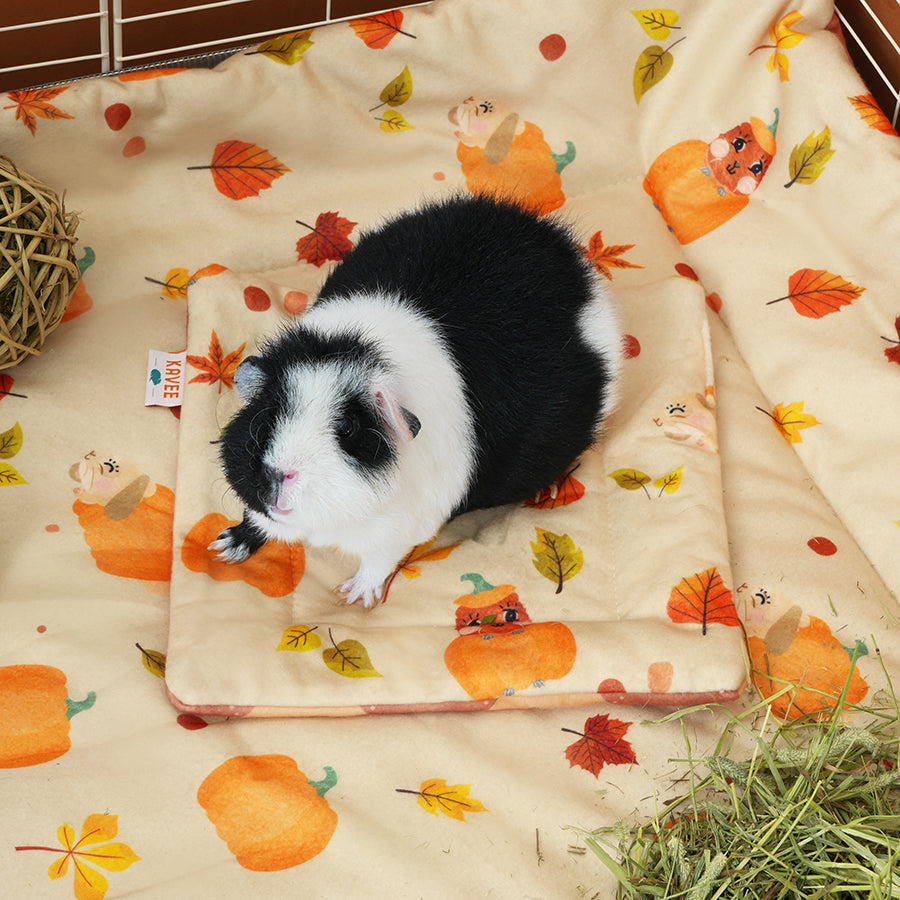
(288, 49)
(671, 482)
(349, 658)
(783, 38)
(154, 661)
(556, 557)
(658, 23)
(454, 800)
(300, 638)
(790, 420)
(114, 856)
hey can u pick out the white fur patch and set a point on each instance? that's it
(376, 515)
(600, 329)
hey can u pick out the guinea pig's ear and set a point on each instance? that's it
(249, 377)
(399, 419)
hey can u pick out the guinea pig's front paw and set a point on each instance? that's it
(229, 548)
(361, 588)
(237, 543)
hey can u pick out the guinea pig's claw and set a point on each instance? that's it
(229, 551)
(356, 589)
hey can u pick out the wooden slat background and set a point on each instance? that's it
(42, 43)
(872, 32)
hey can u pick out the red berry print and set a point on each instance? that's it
(256, 299)
(822, 546)
(632, 346)
(552, 47)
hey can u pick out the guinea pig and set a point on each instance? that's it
(461, 356)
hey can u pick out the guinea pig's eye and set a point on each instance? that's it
(757, 167)
(738, 143)
(510, 615)
(346, 427)
(675, 409)
(762, 596)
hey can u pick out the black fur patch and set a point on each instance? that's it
(248, 435)
(505, 288)
(362, 436)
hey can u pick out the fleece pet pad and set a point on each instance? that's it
(617, 576)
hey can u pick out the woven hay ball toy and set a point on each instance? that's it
(38, 272)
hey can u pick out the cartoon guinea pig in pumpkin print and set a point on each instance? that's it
(788, 647)
(127, 521)
(691, 419)
(499, 649)
(503, 154)
(698, 186)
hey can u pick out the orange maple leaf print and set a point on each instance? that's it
(601, 743)
(6, 382)
(892, 353)
(31, 105)
(703, 598)
(421, 553)
(242, 170)
(409, 565)
(218, 367)
(566, 490)
(604, 258)
(329, 239)
(379, 30)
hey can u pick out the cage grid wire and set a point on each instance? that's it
(114, 24)
(871, 28)
(873, 19)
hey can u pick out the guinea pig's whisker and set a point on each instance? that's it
(254, 430)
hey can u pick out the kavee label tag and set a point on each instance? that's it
(165, 378)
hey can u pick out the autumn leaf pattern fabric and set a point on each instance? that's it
(733, 538)
(562, 627)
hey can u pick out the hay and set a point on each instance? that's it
(38, 272)
(815, 812)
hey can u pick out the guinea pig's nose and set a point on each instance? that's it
(277, 478)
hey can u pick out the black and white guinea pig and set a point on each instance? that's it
(459, 357)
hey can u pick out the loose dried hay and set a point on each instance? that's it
(814, 813)
(38, 272)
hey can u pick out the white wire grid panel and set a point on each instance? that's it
(102, 56)
(111, 56)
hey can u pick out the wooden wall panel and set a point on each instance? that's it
(158, 38)
(872, 32)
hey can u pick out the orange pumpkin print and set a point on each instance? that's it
(499, 649)
(275, 570)
(788, 647)
(502, 154)
(34, 715)
(698, 186)
(268, 812)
